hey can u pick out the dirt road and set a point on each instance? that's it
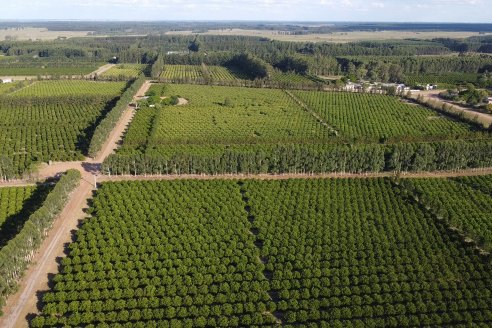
(44, 264)
(24, 301)
(100, 70)
(433, 95)
(435, 174)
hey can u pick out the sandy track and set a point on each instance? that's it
(36, 279)
(100, 70)
(24, 302)
(433, 95)
(435, 174)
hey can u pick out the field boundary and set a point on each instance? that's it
(312, 112)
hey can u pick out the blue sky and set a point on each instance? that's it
(298, 10)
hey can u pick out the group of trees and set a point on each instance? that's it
(254, 68)
(107, 124)
(48, 128)
(401, 157)
(189, 260)
(354, 252)
(16, 255)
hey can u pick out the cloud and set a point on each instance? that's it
(298, 10)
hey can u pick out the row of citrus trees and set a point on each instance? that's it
(464, 203)
(16, 255)
(321, 252)
(159, 254)
(35, 129)
(354, 253)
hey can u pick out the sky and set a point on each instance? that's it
(470, 11)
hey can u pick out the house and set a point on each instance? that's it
(431, 87)
(352, 87)
(6, 80)
(489, 100)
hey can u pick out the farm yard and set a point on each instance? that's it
(264, 252)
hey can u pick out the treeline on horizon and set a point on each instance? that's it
(374, 60)
(297, 28)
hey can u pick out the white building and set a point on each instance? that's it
(6, 80)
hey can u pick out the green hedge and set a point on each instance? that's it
(401, 157)
(109, 122)
(16, 255)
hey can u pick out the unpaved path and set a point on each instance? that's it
(100, 70)
(435, 174)
(115, 136)
(433, 95)
(24, 302)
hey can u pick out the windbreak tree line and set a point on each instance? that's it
(307, 158)
(18, 253)
(107, 124)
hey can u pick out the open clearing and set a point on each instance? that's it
(43, 34)
(335, 36)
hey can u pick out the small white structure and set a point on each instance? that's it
(431, 87)
(6, 80)
(490, 100)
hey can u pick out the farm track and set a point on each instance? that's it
(433, 95)
(312, 112)
(45, 263)
(100, 70)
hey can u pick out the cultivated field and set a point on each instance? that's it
(464, 202)
(252, 116)
(338, 37)
(301, 252)
(52, 120)
(381, 117)
(197, 72)
(127, 71)
(71, 88)
(33, 33)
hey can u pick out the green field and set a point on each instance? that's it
(253, 116)
(127, 71)
(381, 118)
(461, 203)
(71, 88)
(196, 72)
(16, 204)
(52, 120)
(317, 253)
